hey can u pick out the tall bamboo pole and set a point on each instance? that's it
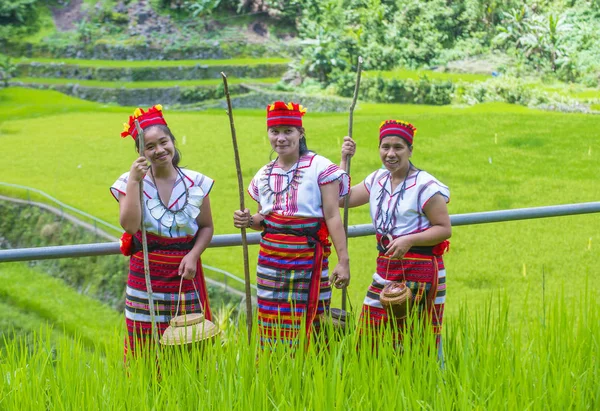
(238, 168)
(141, 144)
(348, 159)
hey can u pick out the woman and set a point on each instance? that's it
(179, 227)
(297, 196)
(409, 212)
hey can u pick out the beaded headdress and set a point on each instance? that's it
(398, 128)
(152, 117)
(285, 114)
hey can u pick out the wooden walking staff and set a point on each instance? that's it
(140, 134)
(348, 158)
(238, 168)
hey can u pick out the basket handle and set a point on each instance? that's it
(179, 295)
(347, 299)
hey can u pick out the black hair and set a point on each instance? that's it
(167, 131)
(302, 147)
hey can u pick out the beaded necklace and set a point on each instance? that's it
(292, 183)
(387, 223)
(164, 214)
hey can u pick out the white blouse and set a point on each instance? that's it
(178, 217)
(401, 212)
(296, 192)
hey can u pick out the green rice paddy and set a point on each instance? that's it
(154, 63)
(141, 84)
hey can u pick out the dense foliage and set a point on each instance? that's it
(17, 17)
(554, 38)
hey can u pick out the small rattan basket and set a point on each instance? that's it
(189, 328)
(396, 298)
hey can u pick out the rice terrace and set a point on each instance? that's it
(505, 97)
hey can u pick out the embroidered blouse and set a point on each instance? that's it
(401, 212)
(178, 217)
(296, 192)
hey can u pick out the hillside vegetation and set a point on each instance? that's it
(554, 39)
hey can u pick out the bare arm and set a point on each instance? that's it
(205, 228)
(187, 268)
(358, 196)
(130, 211)
(340, 276)
(436, 211)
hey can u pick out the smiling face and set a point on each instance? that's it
(285, 141)
(158, 147)
(395, 153)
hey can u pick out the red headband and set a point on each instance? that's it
(282, 114)
(397, 128)
(146, 119)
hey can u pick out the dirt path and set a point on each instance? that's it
(67, 17)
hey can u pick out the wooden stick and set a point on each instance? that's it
(238, 168)
(140, 133)
(348, 159)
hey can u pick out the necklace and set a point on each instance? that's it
(180, 217)
(386, 224)
(292, 183)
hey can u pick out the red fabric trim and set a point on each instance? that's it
(313, 293)
(441, 248)
(113, 194)
(285, 122)
(148, 118)
(202, 290)
(191, 181)
(125, 244)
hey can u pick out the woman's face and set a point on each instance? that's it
(285, 140)
(158, 147)
(395, 153)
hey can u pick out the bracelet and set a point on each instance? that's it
(250, 222)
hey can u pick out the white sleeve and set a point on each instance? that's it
(330, 172)
(119, 187)
(431, 188)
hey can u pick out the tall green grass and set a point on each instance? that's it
(489, 363)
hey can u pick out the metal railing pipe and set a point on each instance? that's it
(229, 240)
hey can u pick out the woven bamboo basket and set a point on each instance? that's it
(189, 329)
(338, 318)
(396, 299)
